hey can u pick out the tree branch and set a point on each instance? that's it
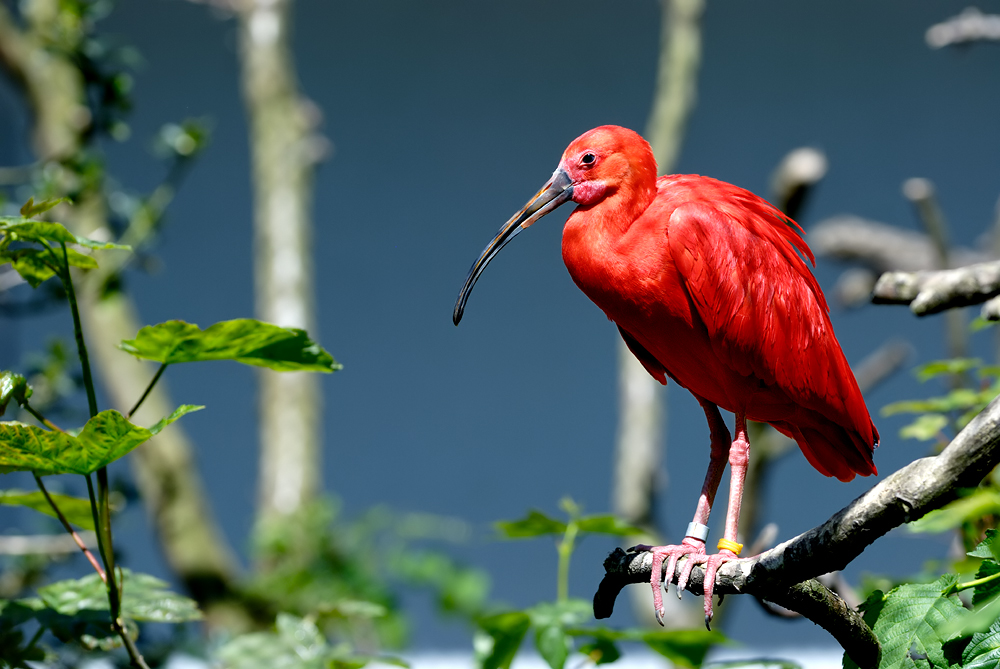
(932, 292)
(882, 247)
(908, 494)
(969, 26)
(285, 148)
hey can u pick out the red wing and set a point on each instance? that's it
(648, 360)
(765, 314)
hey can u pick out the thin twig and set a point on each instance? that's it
(81, 345)
(149, 389)
(69, 528)
(41, 419)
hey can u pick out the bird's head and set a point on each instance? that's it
(598, 165)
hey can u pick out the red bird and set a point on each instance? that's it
(705, 282)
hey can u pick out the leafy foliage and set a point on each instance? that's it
(74, 509)
(144, 598)
(983, 651)
(926, 625)
(909, 622)
(956, 408)
(557, 625)
(296, 643)
(244, 340)
(105, 438)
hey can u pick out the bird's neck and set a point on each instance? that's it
(593, 236)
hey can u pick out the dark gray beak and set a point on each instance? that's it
(555, 192)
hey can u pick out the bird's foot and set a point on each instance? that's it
(694, 550)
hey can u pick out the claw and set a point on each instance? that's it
(693, 551)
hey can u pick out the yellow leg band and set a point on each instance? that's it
(727, 545)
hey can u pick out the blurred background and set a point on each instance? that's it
(429, 124)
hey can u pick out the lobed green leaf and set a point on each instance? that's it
(24, 230)
(244, 340)
(75, 510)
(105, 438)
(144, 598)
(911, 620)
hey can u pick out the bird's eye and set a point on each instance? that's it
(588, 159)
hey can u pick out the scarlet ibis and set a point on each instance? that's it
(707, 286)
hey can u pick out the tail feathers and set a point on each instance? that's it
(834, 450)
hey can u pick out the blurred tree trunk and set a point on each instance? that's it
(171, 488)
(284, 153)
(642, 411)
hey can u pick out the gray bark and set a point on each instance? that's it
(284, 152)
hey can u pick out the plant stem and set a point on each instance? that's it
(81, 346)
(959, 587)
(69, 528)
(149, 389)
(565, 550)
(41, 419)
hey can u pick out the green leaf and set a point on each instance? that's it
(32, 209)
(685, 648)
(958, 399)
(13, 387)
(607, 524)
(535, 524)
(601, 651)
(502, 636)
(24, 230)
(144, 598)
(988, 547)
(105, 438)
(911, 619)
(554, 645)
(981, 502)
(979, 323)
(926, 427)
(951, 366)
(38, 265)
(74, 509)
(983, 651)
(244, 340)
(296, 643)
(990, 589)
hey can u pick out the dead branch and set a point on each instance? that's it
(883, 247)
(969, 26)
(932, 292)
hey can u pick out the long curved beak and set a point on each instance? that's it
(556, 191)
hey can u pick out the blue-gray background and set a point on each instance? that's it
(445, 117)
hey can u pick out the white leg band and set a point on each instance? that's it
(697, 531)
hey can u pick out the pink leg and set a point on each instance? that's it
(739, 456)
(693, 546)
